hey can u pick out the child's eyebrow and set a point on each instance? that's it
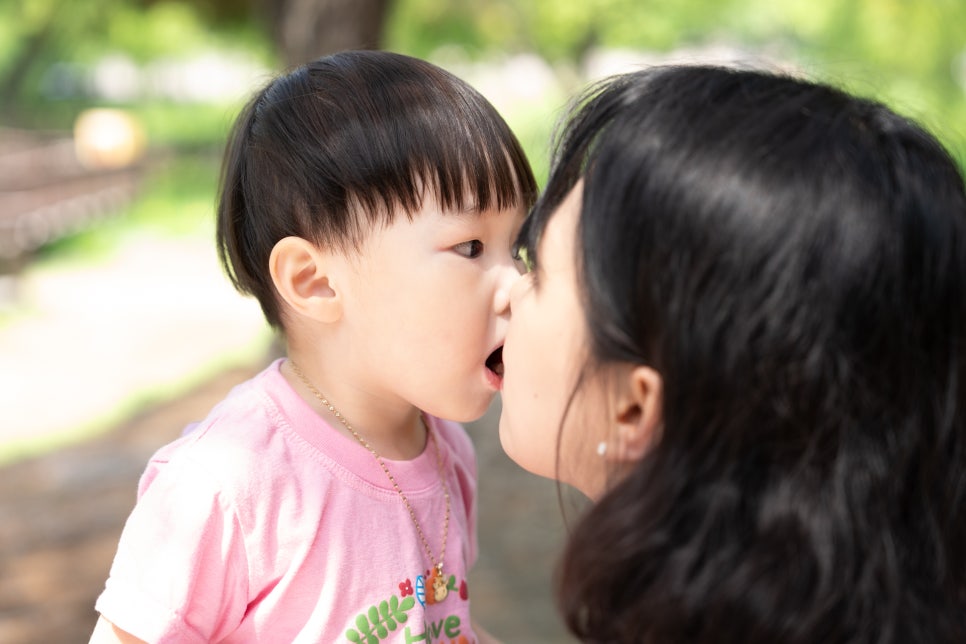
(465, 211)
(470, 206)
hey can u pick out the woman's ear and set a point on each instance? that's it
(639, 413)
(303, 276)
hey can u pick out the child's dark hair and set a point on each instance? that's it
(339, 144)
(792, 260)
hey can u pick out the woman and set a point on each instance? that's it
(744, 336)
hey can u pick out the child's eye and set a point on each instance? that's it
(470, 249)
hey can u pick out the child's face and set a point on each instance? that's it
(544, 353)
(430, 305)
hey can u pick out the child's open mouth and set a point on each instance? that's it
(495, 361)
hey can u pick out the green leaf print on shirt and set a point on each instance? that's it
(378, 622)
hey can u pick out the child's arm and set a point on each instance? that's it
(107, 633)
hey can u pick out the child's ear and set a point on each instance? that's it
(639, 413)
(303, 276)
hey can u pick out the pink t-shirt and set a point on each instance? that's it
(264, 524)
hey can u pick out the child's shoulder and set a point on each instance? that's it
(234, 427)
(240, 443)
(249, 403)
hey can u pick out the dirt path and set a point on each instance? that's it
(61, 515)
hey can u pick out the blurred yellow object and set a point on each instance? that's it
(108, 138)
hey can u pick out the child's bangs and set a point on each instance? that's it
(480, 171)
(463, 171)
(447, 142)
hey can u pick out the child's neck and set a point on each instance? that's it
(394, 429)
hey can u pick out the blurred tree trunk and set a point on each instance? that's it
(307, 29)
(12, 78)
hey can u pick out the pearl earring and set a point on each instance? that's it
(601, 448)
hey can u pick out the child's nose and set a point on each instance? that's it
(517, 288)
(501, 299)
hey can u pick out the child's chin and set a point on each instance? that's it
(474, 413)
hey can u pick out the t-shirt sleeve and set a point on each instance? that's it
(180, 572)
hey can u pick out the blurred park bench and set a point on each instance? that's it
(47, 192)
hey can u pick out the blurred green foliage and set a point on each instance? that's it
(36, 35)
(83, 31)
(555, 30)
(911, 55)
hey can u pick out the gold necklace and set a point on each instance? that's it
(438, 580)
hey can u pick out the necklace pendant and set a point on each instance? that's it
(438, 581)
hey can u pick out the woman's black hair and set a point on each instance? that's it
(792, 260)
(340, 144)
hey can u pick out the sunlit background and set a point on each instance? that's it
(117, 325)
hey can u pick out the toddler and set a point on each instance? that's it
(369, 201)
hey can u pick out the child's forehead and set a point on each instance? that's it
(468, 204)
(448, 200)
(471, 212)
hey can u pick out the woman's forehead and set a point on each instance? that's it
(557, 241)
